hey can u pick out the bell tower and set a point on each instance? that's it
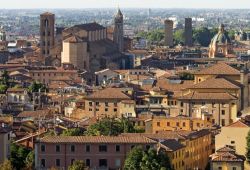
(47, 29)
(118, 30)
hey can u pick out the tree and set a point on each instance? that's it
(248, 147)
(18, 156)
(111, 126)
(133, 159)
(6, 165)
(186, 76)
(138, 159)
(30, 161)
(179, 36)
(73, 132)
(36, 86)
(5, 78)
(77, 165)
(153, 161)
(3, 88)
(202, 36)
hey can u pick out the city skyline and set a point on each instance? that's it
(32, 4)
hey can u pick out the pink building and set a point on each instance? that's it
(98, 152)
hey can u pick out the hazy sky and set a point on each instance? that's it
(125, 3)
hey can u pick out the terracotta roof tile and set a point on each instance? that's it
(219, 69)
(215, 83)
(96, 139)
(109, 93)
(239, 124)
(207, 96)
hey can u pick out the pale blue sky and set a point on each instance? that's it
(125, 3)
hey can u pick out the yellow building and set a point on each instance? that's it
(175, 151)
(198, 147)
(157, 124)
(234, 135)
(110, 102)
(225, 158)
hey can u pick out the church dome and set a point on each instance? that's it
(221, 37)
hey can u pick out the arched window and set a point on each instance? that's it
(46, 22)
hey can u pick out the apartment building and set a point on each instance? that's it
(98, 152)
(226, 158)
(110, 102)
(234, 135)
(158, 123)
(198, 147)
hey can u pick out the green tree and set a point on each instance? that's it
(77, 165)
(6, 165)
(179, 36)
(138, 159)
(153, 161)
(134, 159)
(35, 86)
(186, 76)
(18, 156)
(5, 78)
(73, 132)
(202, 36)
(3, 88)
(248, 148)
(111, 126)
(30, 161)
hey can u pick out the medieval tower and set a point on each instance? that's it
(118, 30)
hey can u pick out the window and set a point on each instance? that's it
(234, 168)
(168, 123)
(90, 103)
(222, 122)
(58, 162)
(58, 148)
(115, 104)
(43, 163)
(72, 161)
(203, 103)
(106, 104)
(102, 148)
(87, 162)
(222, 112)
(90, 109)
(184, 124)
(232, 142)
(219, 168)
(198, 124)
(158, 123)
(181, 104)
(103, 162)
(177, 124)
(117, 162)
(42, 148)
(87, 148)
(117, 148)
(72, 148)
(97, 103)
(97, 109)
(115, 110)
(106, 109)
(132, 146)
(213, 104)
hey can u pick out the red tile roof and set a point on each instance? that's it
(208, 96)
(96, 139)
(219, 69)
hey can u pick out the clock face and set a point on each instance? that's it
(56, 63)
